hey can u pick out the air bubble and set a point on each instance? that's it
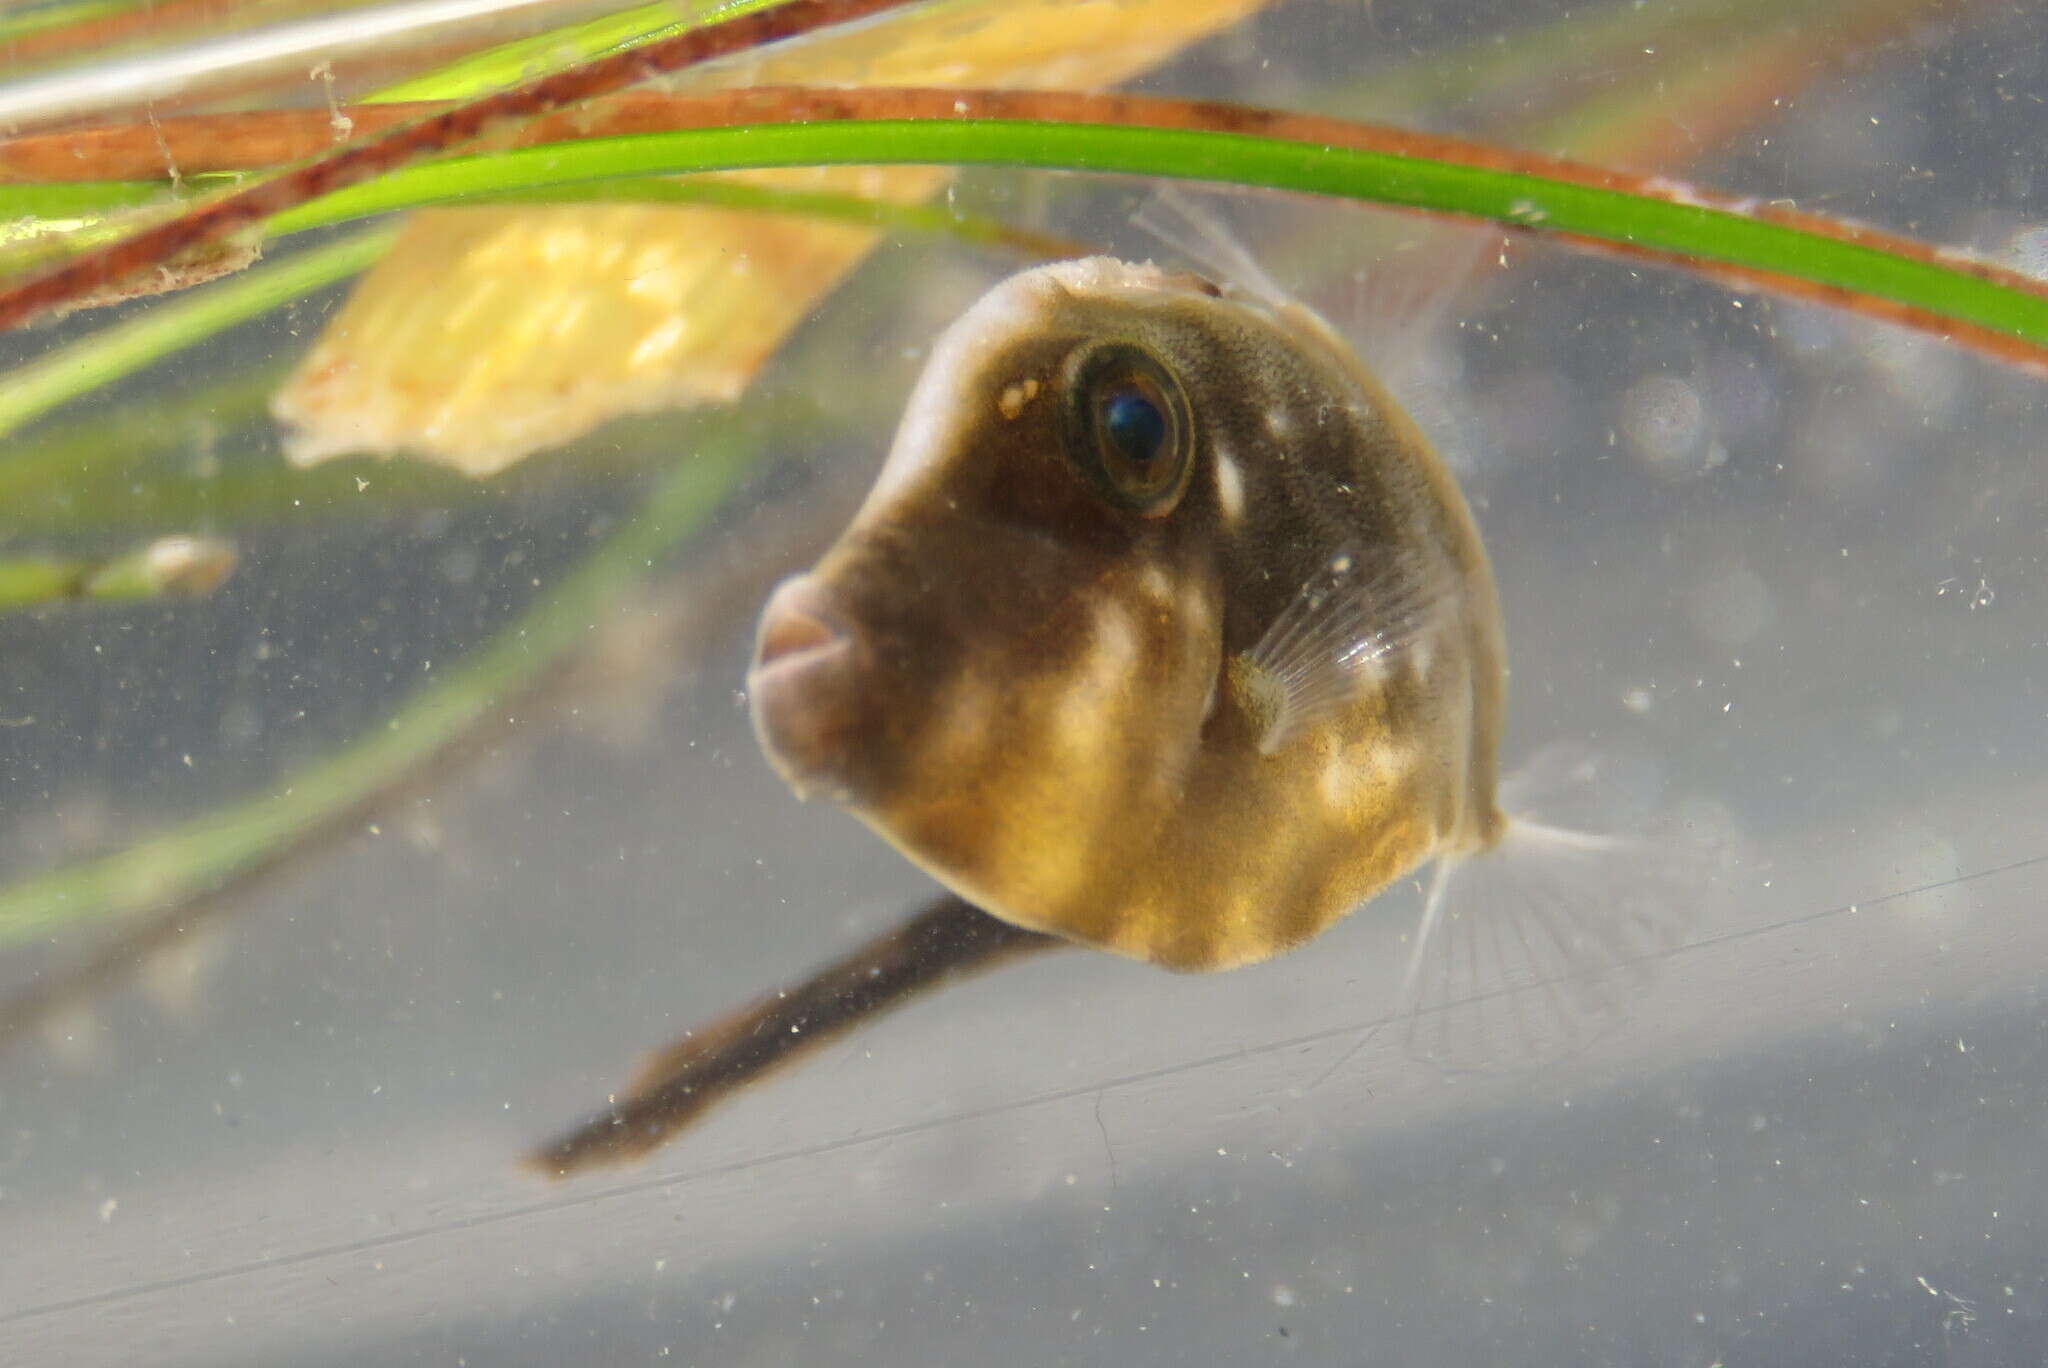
(1665, 422)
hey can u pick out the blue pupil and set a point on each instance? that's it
(1134, 425)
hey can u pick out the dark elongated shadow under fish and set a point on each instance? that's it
(1164, 631)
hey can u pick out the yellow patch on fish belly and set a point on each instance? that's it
(1353, 773)
(1081, 724)
(1340, 779)
(1198, 613)
(966, 715)
(1113, 651)
(1088, 709)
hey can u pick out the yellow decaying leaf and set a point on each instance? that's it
(488, 334)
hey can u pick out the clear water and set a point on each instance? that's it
(1786, 565)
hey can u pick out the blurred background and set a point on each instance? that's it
(1782, 567)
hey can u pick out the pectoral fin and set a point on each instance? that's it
(1352, 619)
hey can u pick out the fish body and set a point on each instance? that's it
(1164, 629)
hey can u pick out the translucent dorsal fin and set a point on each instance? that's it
(1407, 287)
(1198, 233)
(1406, 269)
(1403, 275)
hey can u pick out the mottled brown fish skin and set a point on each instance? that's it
(1028, 686)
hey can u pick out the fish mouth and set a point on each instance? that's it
(809, 687)
(799, 631)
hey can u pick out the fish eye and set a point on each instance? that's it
(1128, 427)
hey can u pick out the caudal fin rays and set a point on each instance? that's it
(1538, 946)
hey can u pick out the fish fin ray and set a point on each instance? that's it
(1355, 615)
(1412, 282)
(1198, 233)
(1537, 947)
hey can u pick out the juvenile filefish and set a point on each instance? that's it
(1163, 630)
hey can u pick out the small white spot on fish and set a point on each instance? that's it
(1100, 274)
(1280, 423)
(1158, 586)
(1015, 396)
(1338, 782)
(1114, 653)
(934, 412)
(968, 715)
(1229, 490)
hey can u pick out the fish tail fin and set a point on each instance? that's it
(1537, 945)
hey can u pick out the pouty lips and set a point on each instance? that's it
(806, 684)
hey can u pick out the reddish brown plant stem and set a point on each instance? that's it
(361, 161)
(218, 141)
